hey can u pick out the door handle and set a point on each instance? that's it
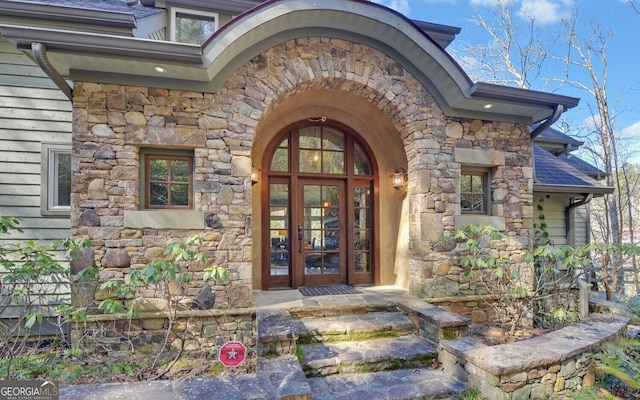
(300, 238)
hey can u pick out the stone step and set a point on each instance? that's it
(342, 309)
(407, 351)
(435, 323)
(417, 384)
(352, 327)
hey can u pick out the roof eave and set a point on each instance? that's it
(576, 143)
(441, 34)
(595, 190)
(513, 94)
(132, 48)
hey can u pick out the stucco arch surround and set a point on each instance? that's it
(385, 143)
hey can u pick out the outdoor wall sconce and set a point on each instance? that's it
(255, 175)
(399, 178)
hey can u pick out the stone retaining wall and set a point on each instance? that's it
(478, 309)
(535, 368)
(196, 330)
(481, 309)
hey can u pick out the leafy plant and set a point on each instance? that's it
(631, 308)
(591, 393)
(28, 269)
(500, 276)
(621, 365)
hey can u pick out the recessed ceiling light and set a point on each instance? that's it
(159, 69)
(488, 106)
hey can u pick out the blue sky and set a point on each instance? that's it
(616, 16)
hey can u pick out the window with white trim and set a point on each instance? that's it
(190, 26)
(55, 179)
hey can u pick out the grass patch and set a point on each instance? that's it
(449, 333)
(470, 394)
(299, 354)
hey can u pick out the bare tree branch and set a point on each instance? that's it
(515, 55)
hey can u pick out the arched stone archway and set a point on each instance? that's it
(358, 87)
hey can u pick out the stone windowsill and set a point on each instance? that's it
(480, 220)
(164, 219)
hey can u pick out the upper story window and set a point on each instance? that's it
(56, 179)
(190, 26)
(168, 179)
(474, 190)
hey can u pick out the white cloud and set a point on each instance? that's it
(631, 131)
(546, 11)
(401, 6)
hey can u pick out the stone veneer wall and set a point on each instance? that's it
(112, 122)
(505, 151)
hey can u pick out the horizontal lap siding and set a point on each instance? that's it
(554, 215)
(32, 111)
(553, 211)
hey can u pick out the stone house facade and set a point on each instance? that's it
(294, 123)
(113, 122)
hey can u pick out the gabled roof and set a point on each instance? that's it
(109, 58)
(554, 174)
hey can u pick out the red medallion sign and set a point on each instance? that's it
(232, 354)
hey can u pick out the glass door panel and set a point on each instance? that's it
(362, 232)
(280, 248)
(322, 236)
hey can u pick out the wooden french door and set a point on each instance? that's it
(319, 210)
